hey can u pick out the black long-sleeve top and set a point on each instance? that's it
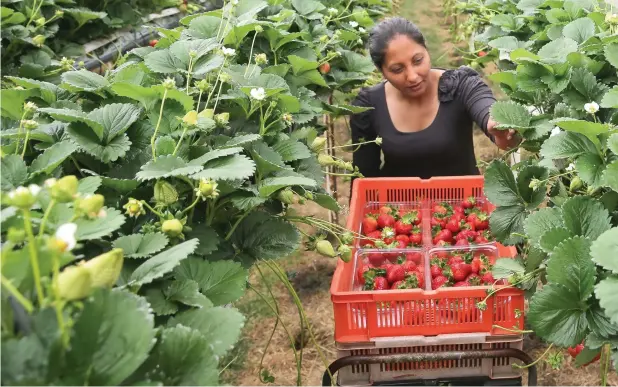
(444, 148)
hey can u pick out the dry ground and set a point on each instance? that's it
(311, 275)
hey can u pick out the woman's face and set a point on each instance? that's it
(407, 66)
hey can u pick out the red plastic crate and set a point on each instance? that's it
(361, 316)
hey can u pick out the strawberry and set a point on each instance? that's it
(403, 238)
(443, 235)
(395, 273)
(462, 242)
(574, 351)
(417, 278)
(414, 257)
(443, 244)
(441, 209)
(460, 271)
(455, 259)
(360, 273)
(402, 244)
(438, 222)
(153, 42)
(438, 282)
(398, 285)
(388, 235)
(325, 68)
(369, 224)
(376, 259)
(387, 210)
(415, 217)
(380, 283)
(386, 220)
(403, 228)
(435, 270)
(469, 203)
(453, 225)
(482, 53)
(473, 280)
(416, 238)
(488, 278)
(408, 266)
(479, 264)
(481, 222)
(480, 240)
(460, 284)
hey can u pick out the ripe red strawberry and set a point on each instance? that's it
(438, 282)
(438, 222)
(469, 202)
(376, 259)
(402, 244)
(462, 242)
(386, 220)
(388, 235)
(403, 228)
(385, 210)
(441, 209)
(574, 351)
(414, 257)
(408, 266)
(461, 284)
(369, 224)
(480, 240)
(416, 238)
(481, 222)
(473, 280)
(455, 259)
(443, 244)
(460, 271)
(403, 238)
(153, 42)
(476, 264)
(395, 273)
(398, 285)
(380, 283)
(435, 270)
(453, 225)
(482, 53)
(488, 278)
(468, 235)
(417, 278)
(443, 235)
(415, 217)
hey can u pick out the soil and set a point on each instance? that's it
(311, 274)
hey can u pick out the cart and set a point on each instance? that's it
(424, 336)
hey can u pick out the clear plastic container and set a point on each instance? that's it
(450, 205)
(477, 259)
(412, 261)
(411, 235)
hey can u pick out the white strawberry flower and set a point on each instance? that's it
(361, 30)
(571, 167)
(333, 11)
(354, 24)
(591, 107)
(555, 131)
(533, 110)
(66, 236)
(234, 2)
(228, 51)
(34, 189)
(258, 94)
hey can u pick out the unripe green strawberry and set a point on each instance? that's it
(91, 205)
(74, 283)
(16, 235)
(207, 113)
(345, 253)
(23, 197)
(165, 193)
(287, 196)
(105, 268)
(222, 119)
(576, 184)
(172, 227)
(325, 248)
(190, 119)
(38, 40)
(318, 144)
(207, 189)
(64, 190)
(326, 160)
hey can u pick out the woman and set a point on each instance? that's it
(423, 115)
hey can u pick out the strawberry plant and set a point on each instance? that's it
(557, 63)
(189, 157)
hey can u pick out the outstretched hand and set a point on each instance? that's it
(505, 139)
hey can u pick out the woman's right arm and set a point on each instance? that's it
(367, 156)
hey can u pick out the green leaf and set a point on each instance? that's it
(76, 116)
(88, 229)
(599, 323)
(122, 327)
(567, 145)
(611, 54)
(590, 168)
(307, 7)
(166, 166)
(215, 154)
(610, 99)
(14, 172)
(534, 197)
(164, 146)
(507, 220)
(219, 325)
(510, 114)
(108, 152)
(557, 15)
(145, 95)
(579, 30)
(242, 140)
(344, 110)
(542, 220)
(301, 65)
(556, 51)
(553, 237)
(115, 118)
(83, 15)
(84, 80)
(604, 250)
(182, 357)
(557, 315)
(505, 43)
(291, 150)
(606, 291)
(610, 177)
(48, 91)
(89, 185)
(505, 267)
(13, 102)
(207, 236)
(141, 245)
(266, 159)
(271, 185)
(234, 167)
(162, 263)
(585, 356)
(570, 266)
(160, 305)
(326, 201)
(52, 157)
(187, 292)
(612, 143)
(585, 216)
(357, 63)
(221, 281)
(262, 236)
(589, 129)
(162, 61)
(500, 186)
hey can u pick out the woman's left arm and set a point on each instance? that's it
(478, 99)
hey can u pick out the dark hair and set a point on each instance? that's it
(382, 34)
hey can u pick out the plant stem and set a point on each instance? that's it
(17, 294)
(51, 205)
(154, 136)
(221, 22)
(23, 152)
(35, 11)
(240, 219)
(58, 302)
(152, 209)
(216, 81)
(511, 330)
(191, 206)
(262, 130)
(199, 99)
(605, 350)
(34, 256)
(182, 136)
(21, 125)
(189, 72)
(537, 360)
(251, 54)
(217, 99)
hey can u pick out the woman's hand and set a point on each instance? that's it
(504, 139)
